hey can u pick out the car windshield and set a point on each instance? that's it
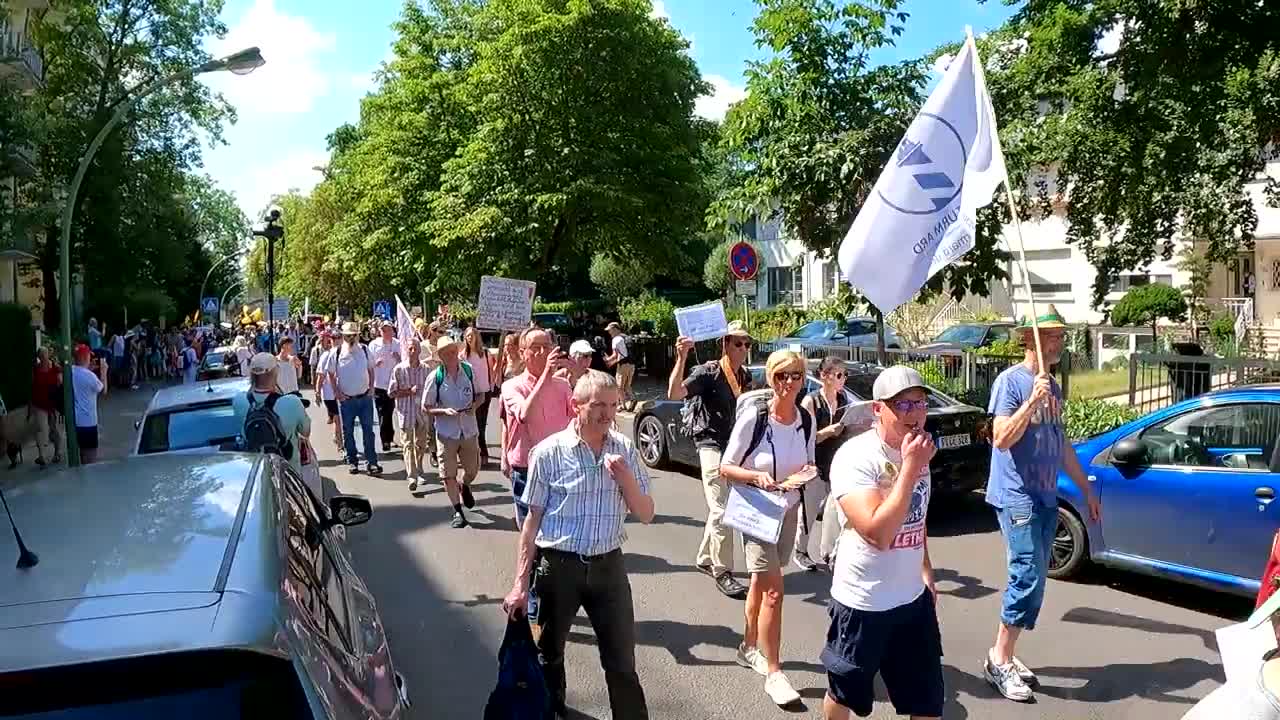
(962, 334)
(219, 686)
(815, 329)
(202, 426)
(214, 358)
(860, 386)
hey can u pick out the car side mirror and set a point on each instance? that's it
(1129, 451)
(349, 510)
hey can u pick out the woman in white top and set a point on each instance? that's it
(483, 370)
(783, 452)
(288, 367)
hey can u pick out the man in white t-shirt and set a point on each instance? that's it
(385, 351)
(883, 613)
(620, 360)
(352, 376)
(86, 386)
(325, 354)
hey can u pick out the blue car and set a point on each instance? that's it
(1187, 493)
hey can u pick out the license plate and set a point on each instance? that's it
(947, 442)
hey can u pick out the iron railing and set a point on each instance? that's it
(1156, 381)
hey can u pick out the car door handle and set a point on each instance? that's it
(1265, 493)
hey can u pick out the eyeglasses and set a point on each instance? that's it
(903, 406)
(741, 344)
(835, 375)
(788, 376)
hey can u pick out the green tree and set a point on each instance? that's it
(619, 280)
(1196, 289)
(1146, 304)
(1159, 136)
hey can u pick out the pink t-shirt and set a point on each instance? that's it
(549, 415)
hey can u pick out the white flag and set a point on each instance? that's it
(922, 214)
(404, 324)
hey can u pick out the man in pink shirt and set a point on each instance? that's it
(537, 403)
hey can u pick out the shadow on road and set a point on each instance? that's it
(964, 514)
(1169, 592)
(1119, 681)
(1107, 618)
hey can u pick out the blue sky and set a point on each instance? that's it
(321, 56)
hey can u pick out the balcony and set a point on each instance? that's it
(24, 160)
(16, 244)
(20, 61)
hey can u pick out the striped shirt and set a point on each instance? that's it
(404, 377)
(583, 509)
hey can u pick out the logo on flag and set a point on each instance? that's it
(922, 215)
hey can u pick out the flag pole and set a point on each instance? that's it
(981, 77)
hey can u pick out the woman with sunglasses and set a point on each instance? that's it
(828, 407)
(785, 450)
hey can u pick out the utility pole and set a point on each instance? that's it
(271, 232)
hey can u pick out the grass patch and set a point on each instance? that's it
(1099, 383)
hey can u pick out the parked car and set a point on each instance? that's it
(218, 363)
(968, 336)
(855, 332)
(962, 432)
(190, 417)
(554, 321)
(1187, 493)
(192, 586)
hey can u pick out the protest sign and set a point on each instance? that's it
(757, 512)
(505, 303)
(702, 322)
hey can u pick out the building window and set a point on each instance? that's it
(831, 278)
(1050, 288)
(1125, 283)
(786, 286)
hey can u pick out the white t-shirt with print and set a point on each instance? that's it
(782, 450)
(866, 578)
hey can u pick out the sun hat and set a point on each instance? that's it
(1050, 319)
(737, 329)
(445, 341)
(350, 328)
(262, 363)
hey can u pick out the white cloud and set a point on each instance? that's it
(292, 80)
(723, 94)
(257, 184)
(659, 10)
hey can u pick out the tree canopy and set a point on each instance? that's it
(1146, 304)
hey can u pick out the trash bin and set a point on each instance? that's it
(1189, 379)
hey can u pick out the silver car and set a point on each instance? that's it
(191, 417)
(188, 586)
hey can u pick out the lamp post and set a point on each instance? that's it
(241, 63)
(222, 304)
(209, 274)
(271, 232)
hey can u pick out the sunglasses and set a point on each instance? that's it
(741, 343)
(836, 375)
(788, 376)
(903, 406)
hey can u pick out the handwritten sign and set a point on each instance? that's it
(758, 513)
(702, 322)
(505, 304)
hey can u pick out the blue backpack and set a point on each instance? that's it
(521, 693)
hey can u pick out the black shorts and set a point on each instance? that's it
(332, 407)
(87, 437)
(902, 644)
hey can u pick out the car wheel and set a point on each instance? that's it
(1070, 548)
(651, 441)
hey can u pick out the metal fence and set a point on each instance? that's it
(1156, 381)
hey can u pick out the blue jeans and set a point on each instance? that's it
(362, 408)
(1028, 528)
(519, 478)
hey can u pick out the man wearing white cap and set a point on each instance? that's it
(580, 353)
(450, 397)
(386, 354)
(883, 614)
(293, 420)
(352, 378)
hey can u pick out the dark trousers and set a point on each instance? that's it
(482, 420)
(598, 585)
(386, 415)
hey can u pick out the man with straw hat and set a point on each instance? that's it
(450, 398)
(351, 373)
(1029, 448)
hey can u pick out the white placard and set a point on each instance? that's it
(757, 512)
(505, 303)
(702, 322)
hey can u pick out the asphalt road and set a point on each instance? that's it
(1112, 646)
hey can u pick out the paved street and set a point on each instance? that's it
(1118, 646)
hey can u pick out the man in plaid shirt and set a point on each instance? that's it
(583, 482)
(408, 380)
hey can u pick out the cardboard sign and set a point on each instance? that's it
(702, 322)
(758, 513)
(505, 303)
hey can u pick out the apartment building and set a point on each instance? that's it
(21, 67)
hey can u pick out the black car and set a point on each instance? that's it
(217, 364)
(969, 336)
(961, 432)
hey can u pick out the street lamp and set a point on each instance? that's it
(209, 274)
(223, 302)
(271, 232)
(241, 63)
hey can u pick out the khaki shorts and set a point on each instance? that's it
(765, 557)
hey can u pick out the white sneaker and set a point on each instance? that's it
(413, 484)
(1024, 672)
(780, 690)
(804, 562)
(751, 658)
(1006, 681)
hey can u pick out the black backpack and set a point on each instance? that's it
(262, 430)
(521, 692)
(694, 418)
(762, 424)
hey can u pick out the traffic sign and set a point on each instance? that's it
(743, 262)
(280, 309)
(382, 309)
(209, 306)
(745, 288)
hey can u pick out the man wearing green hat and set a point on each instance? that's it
(1028, 449)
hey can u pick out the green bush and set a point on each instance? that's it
(618, 279)
(576, 307)
(1086, 417)
(649, 310)
(1003, 348)
(773, 323)
(16, 364)
(1222, 333)
(934, 377)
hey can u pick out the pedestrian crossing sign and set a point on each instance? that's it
(382, 309)
(209, 306)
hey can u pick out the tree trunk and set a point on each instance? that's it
(49, 280)
(881, 356)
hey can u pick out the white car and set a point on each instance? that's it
(188, 418)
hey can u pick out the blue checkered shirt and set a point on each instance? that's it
(583, 509)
